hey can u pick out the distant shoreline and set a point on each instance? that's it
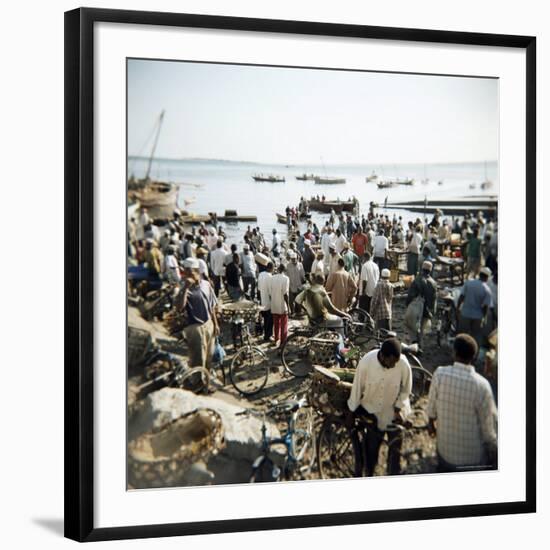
(301, 165)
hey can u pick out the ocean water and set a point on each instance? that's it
(220, 185)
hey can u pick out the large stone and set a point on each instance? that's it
(242, 434)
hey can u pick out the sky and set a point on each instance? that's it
(300, 116)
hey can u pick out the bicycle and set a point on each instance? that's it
(341, 447)
(317, 343)
(298, 442)
(249, 369)
(446, 323)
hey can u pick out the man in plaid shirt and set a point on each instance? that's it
(462, 412)
(381, 303)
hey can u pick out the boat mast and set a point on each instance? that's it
(161, 117)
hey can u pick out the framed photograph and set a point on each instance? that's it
(299, 274)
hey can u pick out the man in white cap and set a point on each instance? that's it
(197, 303)
(421, 304)
(474, 303)
(381, 303)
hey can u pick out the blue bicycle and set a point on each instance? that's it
(298, 443)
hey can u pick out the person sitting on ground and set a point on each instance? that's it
(319, 307)
(462, 412)
(380, 394)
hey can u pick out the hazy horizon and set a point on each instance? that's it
(286, 116)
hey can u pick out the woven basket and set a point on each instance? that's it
(329, 395)
(139, 343)
(161, 458)
(242, 309)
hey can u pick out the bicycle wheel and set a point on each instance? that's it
(303, 440)
(264, 471)
(421, 380)
(296, 355)
(338, 450)
(364, 332)
(249, 370)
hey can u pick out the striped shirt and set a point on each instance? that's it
(462, 402)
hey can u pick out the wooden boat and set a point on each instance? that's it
(159, 197)
(281, 218)
(372, 177)
(385, 184)
(327, 206)
(406, 181)
(326, 180)
(305, 177)
(268, 177)
(232, 216)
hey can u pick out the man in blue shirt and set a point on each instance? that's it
(475, 300)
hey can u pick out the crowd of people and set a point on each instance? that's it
(321, 273)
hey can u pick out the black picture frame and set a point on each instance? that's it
(79, 269)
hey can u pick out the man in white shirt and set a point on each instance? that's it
(414, 248)
(381, 244)
(370, 273)
(280, 305)
(381, 395)
(276, 244)
(217, 265)
(264, 288)
(340, 241)
(326, 240)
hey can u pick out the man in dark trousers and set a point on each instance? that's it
(421, 298)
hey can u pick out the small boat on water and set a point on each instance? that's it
(405, 181)
(372, 177)
(305, 177)
(486, 183)
(472, 186)
(232, 216)
(327, 206)
(268, 177)
(385, 184)
(281, 218)
(326, 180)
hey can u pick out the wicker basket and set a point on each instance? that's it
(161, 458)
(329, 395)
(139, 343)
(243, 309)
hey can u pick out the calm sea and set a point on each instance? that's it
(218, 186)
